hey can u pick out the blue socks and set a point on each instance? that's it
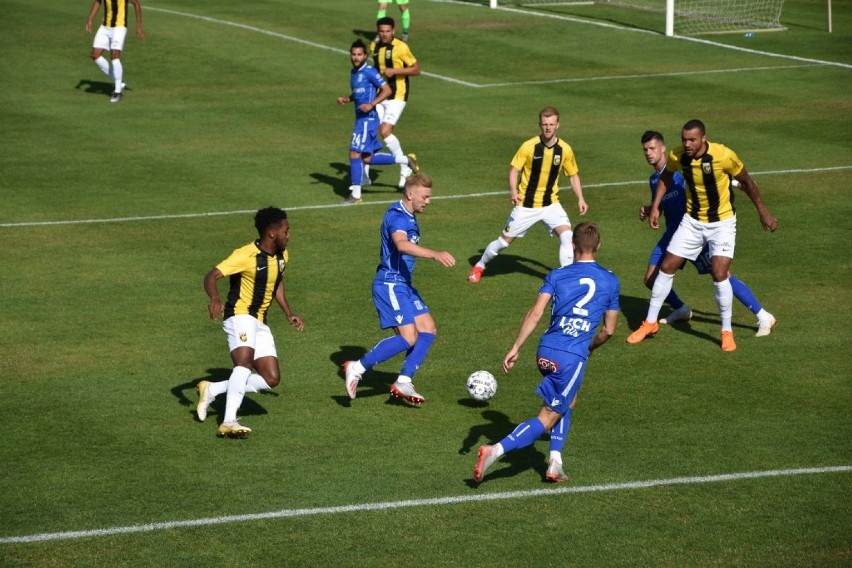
(417, 354)
(560, 432)
(382, 159)
(356, 169)
(744, 294)
(524, 435)
(384, 350)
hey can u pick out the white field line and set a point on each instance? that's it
(368, 203)
(812, 62)
(437, 501)
(290, 38)
(637, 30)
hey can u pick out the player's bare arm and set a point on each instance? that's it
(528, 325)
(747, 184)
(137, 8)
(215, 307)
(654, 216)
(514, 198)
(96, 5)
(281, 298)
(412, 71)
(577, 186)
(405, 246)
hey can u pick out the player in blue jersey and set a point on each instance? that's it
(673, 208)
(367, 89)
(582, 295)
(398, 303)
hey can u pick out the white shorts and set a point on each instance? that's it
(247, 331)
(390, 111)
(691, 236)
(110, 38)
(522, 218)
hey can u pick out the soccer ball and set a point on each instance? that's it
(481, 385)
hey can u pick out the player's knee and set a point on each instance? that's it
(272, 379)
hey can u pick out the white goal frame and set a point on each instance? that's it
(670, 11)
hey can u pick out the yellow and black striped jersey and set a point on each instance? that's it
(708, 184)
(398, 56)
(115, 13)
(255, 276)
(540, 167)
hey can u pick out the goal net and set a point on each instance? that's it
(686, 17)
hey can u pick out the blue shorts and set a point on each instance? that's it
(563, 374)
(397, 303)
(702, 263)
(365, 135)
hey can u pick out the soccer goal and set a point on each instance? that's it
(686, 17)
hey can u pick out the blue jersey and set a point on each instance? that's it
(582, 293)
(364, 82)
(393, 265)
(673, 205)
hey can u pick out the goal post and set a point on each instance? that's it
(687, 17)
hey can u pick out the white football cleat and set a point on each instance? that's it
(682, 313)
(765, 325)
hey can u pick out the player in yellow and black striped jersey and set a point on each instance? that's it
(710, 221)
(110, 36)
(396, 63)
(256, 273)
(534, 192)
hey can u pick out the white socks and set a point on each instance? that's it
(492, 250)
(566, 249)
(256, 383)
(725, 301)
(117, 74)
(236, 391)
(662, 287)
(103, 65)
(392, 142)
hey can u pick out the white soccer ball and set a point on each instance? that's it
(481, 385)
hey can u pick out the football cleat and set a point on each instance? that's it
(352, 201)
(475, 274)
(682, 313)
(406, 392)
(765, 325)
(483, 461)
(412, 163)
(352, 379)
(233, 430)
(204, 400)
(115, 98)
(555, 472)
(728, 343)
(644, 331)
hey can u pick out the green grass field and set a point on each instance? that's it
(112, 214)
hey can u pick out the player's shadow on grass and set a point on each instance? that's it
(510, 264)
(339, 182)
(367, 35)
(495, 429)
(96, 87)
(374, 383)
(214, 375)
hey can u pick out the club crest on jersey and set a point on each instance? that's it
(281, 265)
(243, 337)
(557, 159)
(707, 167)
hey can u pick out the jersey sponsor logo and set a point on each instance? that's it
(418, 305)
(574, 326)
(546, 365)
